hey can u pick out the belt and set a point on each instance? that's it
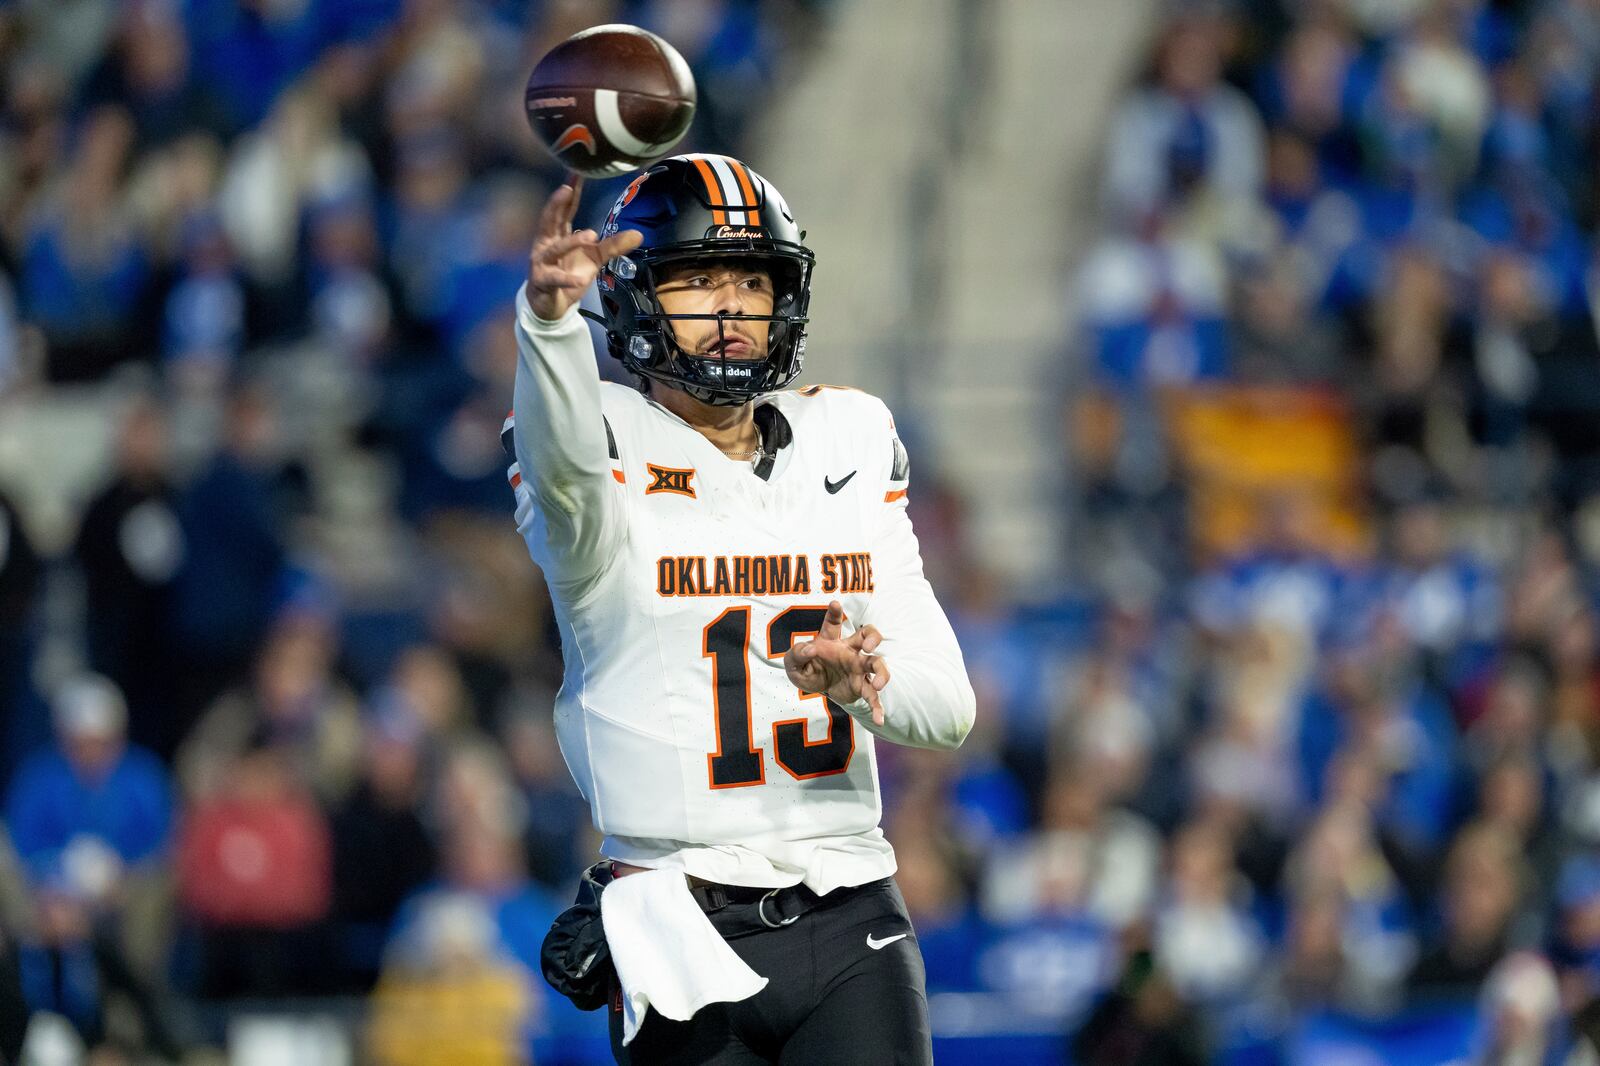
(738, 910)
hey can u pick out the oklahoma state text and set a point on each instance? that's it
(762, 575)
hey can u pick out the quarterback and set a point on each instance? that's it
(742, 611)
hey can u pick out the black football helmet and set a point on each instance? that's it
(706, 208)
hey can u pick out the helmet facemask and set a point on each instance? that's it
(652, 350)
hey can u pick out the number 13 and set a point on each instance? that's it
(737, 761)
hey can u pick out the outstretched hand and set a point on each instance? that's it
(565, 262)
(841, 668)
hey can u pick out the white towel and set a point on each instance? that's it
(666, 951)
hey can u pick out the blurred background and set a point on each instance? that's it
(1247, 355)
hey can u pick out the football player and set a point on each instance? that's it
(741, 604)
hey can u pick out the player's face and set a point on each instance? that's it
(712, 289)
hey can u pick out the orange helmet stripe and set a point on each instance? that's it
(713, 190)
(754, 217)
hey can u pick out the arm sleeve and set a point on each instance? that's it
(928, 702)
(568, 508)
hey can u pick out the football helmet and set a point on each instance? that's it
(704, 208)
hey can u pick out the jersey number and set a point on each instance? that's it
(737, 761)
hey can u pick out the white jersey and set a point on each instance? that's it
(680, 577)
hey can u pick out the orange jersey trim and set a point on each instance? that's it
(890, 497)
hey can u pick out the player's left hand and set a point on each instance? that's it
(840, 667)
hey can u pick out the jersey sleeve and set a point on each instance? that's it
(568, 508)
(928, 702)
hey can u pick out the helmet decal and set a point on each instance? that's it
(622, 201)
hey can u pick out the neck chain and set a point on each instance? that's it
(754, 455)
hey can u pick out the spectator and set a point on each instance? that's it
(1575, 685)
(1204, 938)
(74, 968)
(147, 71)
(350, 309)
(382, 852)
(1511, 797)
(1189, 135)
(203, 330)
(1152, 307)
(1482, 893)
(1372, 718)
(1144, 1022)
(482, 864)
(1087, 854)
(254, 874)
(556, 841)
(235, 554)
(429, 218)
(84, 272)
(449, 993)
(95, 804)
(131, 547)
(20, 581)
(90, 823)
(13, 1007)
(1350, 940)
(1576, 932)
(1444, 600)
(294, 705)
(1520, 1006)
(949, 930)
(428, 679)
(494, 261)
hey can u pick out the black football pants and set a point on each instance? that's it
(843, 986)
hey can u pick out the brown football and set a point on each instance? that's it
(610, 99)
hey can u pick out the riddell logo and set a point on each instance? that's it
(738, 231)
(553, 101)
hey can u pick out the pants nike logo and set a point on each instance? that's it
(835, 486)
(879, 945)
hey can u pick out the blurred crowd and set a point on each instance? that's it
(1311, 745)
(1312, 752)
(276, 673)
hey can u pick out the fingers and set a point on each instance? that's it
(552, 249)
(872, 681)
(551, 268)
(832, 622)
(867, 692)
(878, 671)
(556, 218)
(620, 244)
(867, 638)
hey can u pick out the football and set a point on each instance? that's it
(610, 99)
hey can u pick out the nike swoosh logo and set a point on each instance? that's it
(835, 486)
(879, 945)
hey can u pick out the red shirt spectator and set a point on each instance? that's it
(257, 855)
